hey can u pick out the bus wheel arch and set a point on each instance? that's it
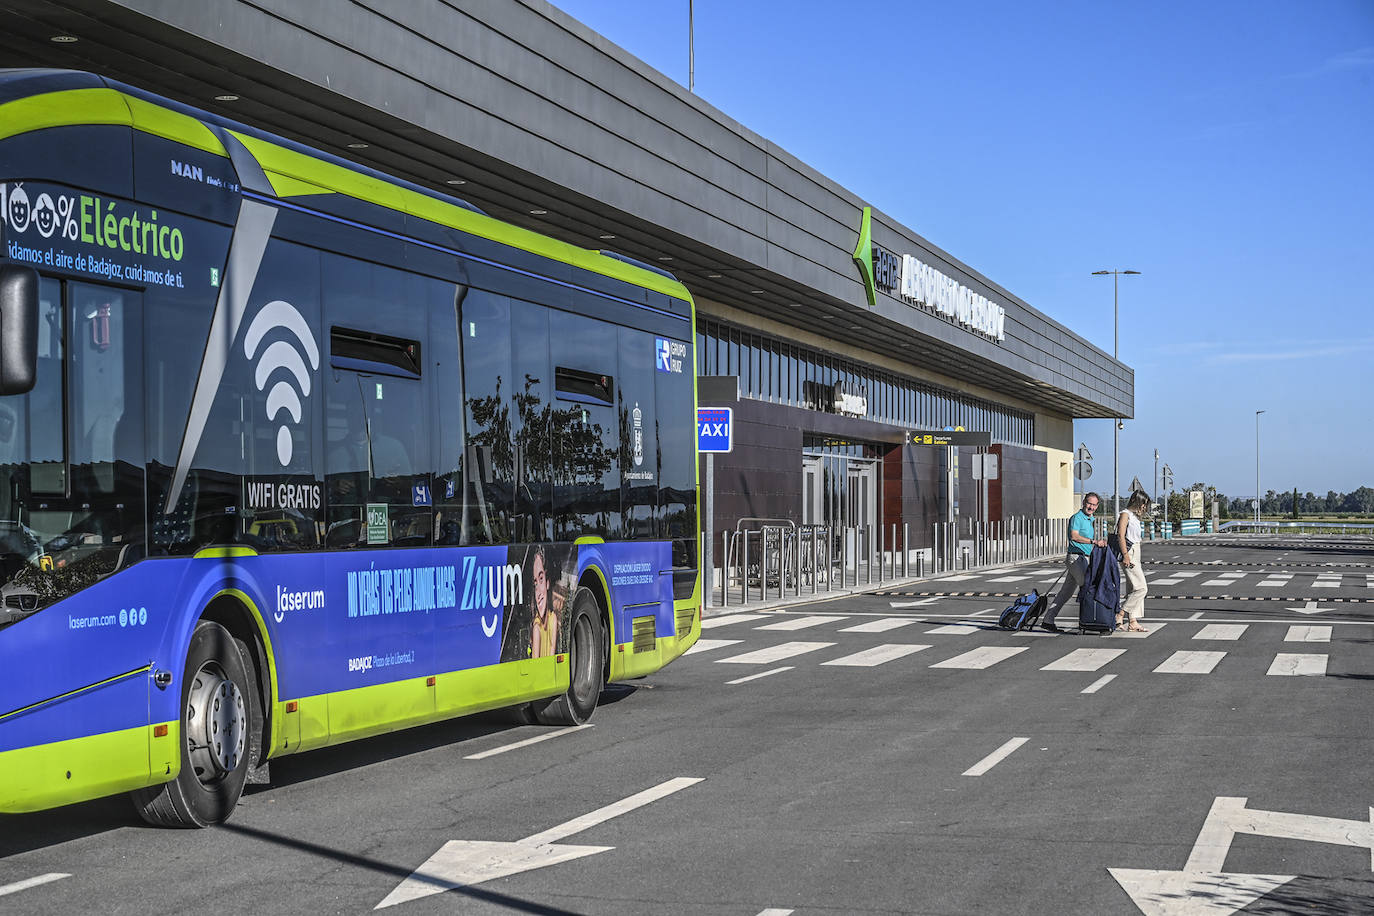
(593, 581)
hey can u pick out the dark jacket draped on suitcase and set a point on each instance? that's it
(1101, 592)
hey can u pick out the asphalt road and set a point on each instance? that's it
(906, 757)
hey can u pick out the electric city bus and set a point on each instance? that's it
(294, 453)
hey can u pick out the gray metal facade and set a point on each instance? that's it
(533, 111)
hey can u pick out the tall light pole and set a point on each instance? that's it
(691, 46)
(1257, 489)
(1116, 421)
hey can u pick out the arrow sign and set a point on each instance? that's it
(1310, 607)
(463, 863)
(1203, 889)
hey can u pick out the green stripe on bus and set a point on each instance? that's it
(65, 772)
(292, 172)
(71, 107)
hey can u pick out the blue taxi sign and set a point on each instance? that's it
(713, 429)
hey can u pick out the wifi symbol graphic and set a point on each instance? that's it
(281, 354)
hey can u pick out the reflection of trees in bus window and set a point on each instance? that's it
(585, 434)
(485, 330)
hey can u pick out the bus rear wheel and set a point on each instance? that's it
(586, 649)
(217, 724)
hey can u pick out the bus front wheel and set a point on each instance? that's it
(217, 724)
(586, 649)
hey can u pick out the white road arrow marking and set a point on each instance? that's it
(1203, 889)
(462, 863)
(1310, 607)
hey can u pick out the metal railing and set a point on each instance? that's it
(772, 559)
(1299, 526)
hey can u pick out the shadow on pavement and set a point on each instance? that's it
(399, 872)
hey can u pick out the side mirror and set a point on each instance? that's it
(18, 329)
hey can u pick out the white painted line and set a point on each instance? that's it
(996, 757)
(706, 645)
(953, 629)
(1196, 616)
(1273, 583)
(1098, 684)
(755, 677)
(36, 881)
(1010, 579)
(1298, 665)
(1220, 582)
(882, 625)
(963, 578)
(1327, 583)
(601, 815)
(774, 653)
(800, 623)
(984, 612)
(871, 658)
(527, 742)
(978, 659)
(900, 604)
(1185, 575)
(776, 912)
(712, 622)
(1186, 662)
(1173, 581)
(1221, 631)
(1151, 627)
(1084, 660)
(1302, 632)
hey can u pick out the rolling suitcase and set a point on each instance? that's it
(1098, 599)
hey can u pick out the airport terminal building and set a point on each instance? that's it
(838, 336)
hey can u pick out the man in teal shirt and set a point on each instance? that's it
(1082, 539)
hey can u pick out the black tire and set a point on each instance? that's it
(586, 651)
(218, 721)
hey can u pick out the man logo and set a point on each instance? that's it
(281, 354)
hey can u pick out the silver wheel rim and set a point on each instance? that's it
(216, 724)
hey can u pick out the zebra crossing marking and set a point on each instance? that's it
(981, 658)
(800, 623)
(902, 604)
(1294, 664)
(706, 645)
(1172, 581)
(774, 653)
(881, 625)
(713, 622)
(755, 677)
(871, 658)
(1084, 660)
(1186, 661)
(1098, 684)
(1154, 627)
(1221, 631)
(1010, 579)
(953, 629)
(1325, 580)
(1275, 580)
(1302, 632)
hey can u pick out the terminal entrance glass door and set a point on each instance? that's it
(841, 491)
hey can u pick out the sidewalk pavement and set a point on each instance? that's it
(773, 604)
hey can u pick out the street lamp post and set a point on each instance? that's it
(1257, 489)
(1116, 421)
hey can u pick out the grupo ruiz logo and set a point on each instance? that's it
(285, 359)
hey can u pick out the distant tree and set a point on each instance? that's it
(1333, 501)
(1360, 500)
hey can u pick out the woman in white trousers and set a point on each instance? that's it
(1133, 581)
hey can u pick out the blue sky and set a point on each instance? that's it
(1223, 149)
